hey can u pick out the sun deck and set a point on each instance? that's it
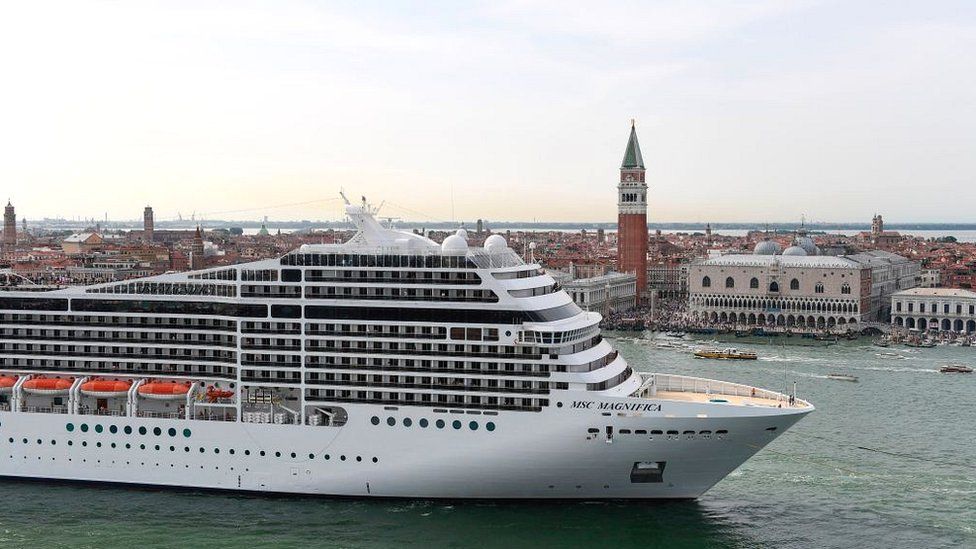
(697, 389)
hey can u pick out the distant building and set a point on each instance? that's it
(667, 279)
(943, 309)
(9, 228)
(632, 214)
(82, 243)
(931, 278)
(147, 224)
(890, 273)
(197, 258)
(879, 237)
(608, 293)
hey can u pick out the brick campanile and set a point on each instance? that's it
(632, 214)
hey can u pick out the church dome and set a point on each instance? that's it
(766, 247)
(794, 250)
(807, 244)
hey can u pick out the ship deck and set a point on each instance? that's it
(696, 389)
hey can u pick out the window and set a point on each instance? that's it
(754, 283)
(845, 289)
(730, 282)
(706, 282)
(819, 288)
(794, 284)
(773, 286)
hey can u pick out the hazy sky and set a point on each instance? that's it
(746, 111)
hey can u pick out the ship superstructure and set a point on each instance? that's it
(389, 365)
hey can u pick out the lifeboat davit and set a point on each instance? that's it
(48, 385)
(7, 383)
(164, 390)
(106, 388)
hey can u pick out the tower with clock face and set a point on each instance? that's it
(632, 214)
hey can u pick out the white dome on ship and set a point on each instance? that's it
(794, 250)
(766, 247)
(454, 245)
(462, 233)
(495, 242)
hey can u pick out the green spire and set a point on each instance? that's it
(632, 156)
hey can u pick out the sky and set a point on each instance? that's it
(746, 111)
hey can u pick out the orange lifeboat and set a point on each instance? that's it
(7, 383)
(164, 390)
(106, 388)
(48, 385)
(214, 394)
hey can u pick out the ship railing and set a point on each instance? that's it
(163, 415)
(655, 383)
(99, 412)
(46, 409)
(216, 417)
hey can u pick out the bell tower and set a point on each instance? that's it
(632, 214)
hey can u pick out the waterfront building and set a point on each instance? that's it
(879, 237)
(9, 228)
(632, 214)
(890, 273)
(789, 291)
(942, 309)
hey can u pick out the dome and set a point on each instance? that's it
(807, 244)
(495, 242)
(454, 245)
(794, 250)
(462, 233)
(766, 247)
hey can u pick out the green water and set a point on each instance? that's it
(811, 488)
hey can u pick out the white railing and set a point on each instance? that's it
(687, 384)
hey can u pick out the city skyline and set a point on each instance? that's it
(499, 111)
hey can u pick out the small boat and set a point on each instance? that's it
(48, 385)
(956, 369)
(890, 355)
(842, 377)
(7, 383)
(106, 388)
(164, 390)
(675, 334)
(726, 354)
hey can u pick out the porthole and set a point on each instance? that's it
(342, 458)
(216, 450)
(293, 455)
(375, 460)
(262, 453)
(127, 446)
(327, 457)
(84, 443)
(490, 426)
(424, 423)
(156, 447)
(98, 444)
(172, 448)
(311, 456)
(113, 445)
(84, 427)
(70, 442)
(456, 424)
(247, 452)
(277, 454)
(186, 433)
(473, 425)
(142, 430)
(186, 449)
(359, 458)
(407, 422)
(113, 429)
(99, 428)
(202, 450)
(127, 430)
(39, 441)
(171, 432)
(374, 420)
(54, 442)
(390, 421)
(157, 431)
(25, 441)
(70, 427)
(231, 451)
(440, 423)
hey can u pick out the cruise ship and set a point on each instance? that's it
(386, 366)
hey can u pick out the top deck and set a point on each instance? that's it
(702, 390)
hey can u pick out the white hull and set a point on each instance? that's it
(544, 455)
